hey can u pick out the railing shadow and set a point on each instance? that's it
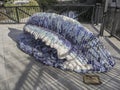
(112, 45)
(117, 58)
(37, 76)
(94, 28)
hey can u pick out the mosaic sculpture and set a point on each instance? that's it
(63, 42)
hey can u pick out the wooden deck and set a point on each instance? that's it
(19, 71)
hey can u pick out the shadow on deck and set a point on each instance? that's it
(37, 76)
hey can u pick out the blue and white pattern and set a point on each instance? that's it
(63, 42)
